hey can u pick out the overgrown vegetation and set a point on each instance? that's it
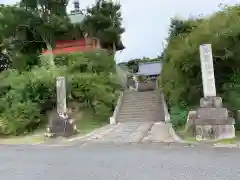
(181, 76)
(26, 97)
(27, 89)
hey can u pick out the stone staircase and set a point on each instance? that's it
(141, 107)
(138, 118)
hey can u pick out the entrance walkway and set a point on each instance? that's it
(128, 132)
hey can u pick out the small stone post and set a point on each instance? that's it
(212, 120)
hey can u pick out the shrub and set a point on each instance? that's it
(19, 117)
(23, 62)
(231, 91)
(92, 62)
(178, 115)
(92, 89)
(25, 97)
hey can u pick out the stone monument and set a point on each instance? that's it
(61, 124)
(212, 120)
(61, 95)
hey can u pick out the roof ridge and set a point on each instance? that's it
(151, 62)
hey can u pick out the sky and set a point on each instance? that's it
(147, 21)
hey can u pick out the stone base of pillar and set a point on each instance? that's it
(61, 127)
(213, 121)
(214, 132)
(238, 115)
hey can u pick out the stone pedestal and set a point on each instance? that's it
(213, 121)
(61, 126)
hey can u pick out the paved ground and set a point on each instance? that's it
(128, 151)
(129, 132)
(102, 161)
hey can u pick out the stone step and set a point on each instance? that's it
(142, 95)
(141, 106)
(134, 116)
(141, 98)
(140, 114)
(151, 111)
(122, 117)
(126, 107)
(141, 120)
(141, 103)
(141, 111)
(137, 97)
(144, 92)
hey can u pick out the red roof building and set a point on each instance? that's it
(70, 46)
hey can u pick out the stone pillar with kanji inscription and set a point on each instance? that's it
(212, 119)
(61, 124)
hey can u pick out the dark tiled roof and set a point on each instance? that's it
(149, 69)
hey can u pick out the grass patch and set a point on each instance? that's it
(186, 136)
(31, 138)
(86, 121)
(227, 141)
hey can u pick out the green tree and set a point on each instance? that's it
(104, 21)
(181, 77)
(46, 7)
(33, 33)
(179, 27)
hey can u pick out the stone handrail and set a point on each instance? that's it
(113, 119)
(166, 113)
(167, 117)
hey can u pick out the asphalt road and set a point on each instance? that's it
(122, 162)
